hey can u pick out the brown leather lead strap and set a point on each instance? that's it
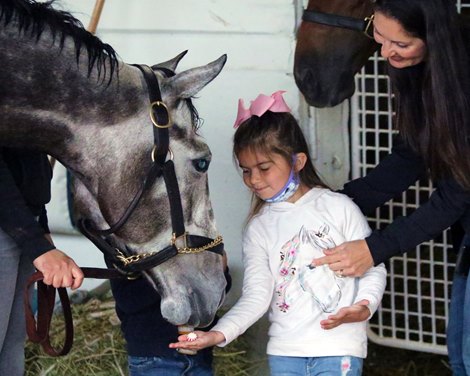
(38, 332)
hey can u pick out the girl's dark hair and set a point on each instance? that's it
(275, 133)
(432, 98)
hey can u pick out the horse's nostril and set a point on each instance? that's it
(176, 312)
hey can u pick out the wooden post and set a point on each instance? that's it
(95, 17)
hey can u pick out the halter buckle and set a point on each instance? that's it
(155, 106)
(369, 22)
(180, 242)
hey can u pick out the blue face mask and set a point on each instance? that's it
(288, 190)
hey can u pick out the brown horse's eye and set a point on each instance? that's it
(201, 165)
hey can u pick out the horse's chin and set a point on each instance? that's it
(324, 92)
(191, 297)
(188, 311)
(179, 313)
(328, 99)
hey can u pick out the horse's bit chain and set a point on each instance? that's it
(127, 260)
(188, 250)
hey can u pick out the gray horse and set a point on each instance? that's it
(66, 93)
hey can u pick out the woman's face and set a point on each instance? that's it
(399, 47)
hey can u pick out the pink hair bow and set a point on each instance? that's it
(263, 103)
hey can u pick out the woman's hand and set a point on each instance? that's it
(59, 270)
(203, 340)
(355, 313)
(350, 259)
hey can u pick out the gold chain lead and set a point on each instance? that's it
(126, 260)
(185, 250)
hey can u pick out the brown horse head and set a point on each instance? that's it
(328, 53)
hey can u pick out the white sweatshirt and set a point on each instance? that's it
(278, 247)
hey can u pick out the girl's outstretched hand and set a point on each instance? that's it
(203, 340)
(354, 313)
(350, 259)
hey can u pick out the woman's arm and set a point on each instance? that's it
(16, 218)
(392, 176)
(447, 204)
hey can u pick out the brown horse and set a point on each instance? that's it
(333, 43)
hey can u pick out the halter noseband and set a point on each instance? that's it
(181, 242)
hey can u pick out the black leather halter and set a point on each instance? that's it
(181, 242)
(364, 25)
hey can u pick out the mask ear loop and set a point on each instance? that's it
(291, 186)
(294, 161)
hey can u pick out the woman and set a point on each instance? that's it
(428, 62)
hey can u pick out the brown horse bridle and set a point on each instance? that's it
(364, 25)
(125, 264)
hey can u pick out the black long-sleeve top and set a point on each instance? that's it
(448, 204)
(24, 191)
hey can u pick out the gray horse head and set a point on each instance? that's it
(65, 93)
(191, 285)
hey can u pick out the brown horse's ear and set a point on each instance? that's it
(188, 83)
(172, 63)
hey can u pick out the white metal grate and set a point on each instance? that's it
(414, 310)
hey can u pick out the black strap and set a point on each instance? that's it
(160, 114)
(154, 172)
(334, 20)
(173, 192)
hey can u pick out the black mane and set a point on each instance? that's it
(33, 18)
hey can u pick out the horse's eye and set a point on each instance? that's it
(201, 164)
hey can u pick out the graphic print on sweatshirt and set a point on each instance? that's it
(297, 276)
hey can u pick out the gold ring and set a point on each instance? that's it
(152, 116)
(154, 150)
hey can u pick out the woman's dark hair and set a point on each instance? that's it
(432, 98)
(275, 133)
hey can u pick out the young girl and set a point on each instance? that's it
(294, 218)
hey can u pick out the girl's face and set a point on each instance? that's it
(399, 47)
(265, 175)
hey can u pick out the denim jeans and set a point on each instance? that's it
(175, 365)
(325, 365)
(458, 330)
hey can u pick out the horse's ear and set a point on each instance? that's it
(188, 83)
(172, 63)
